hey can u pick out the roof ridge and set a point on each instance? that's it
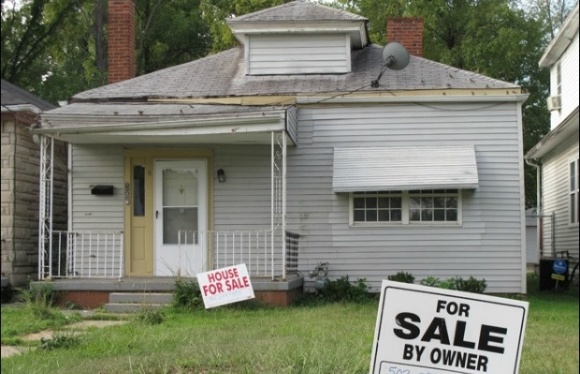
(281, 11)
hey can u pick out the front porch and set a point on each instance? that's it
(92, 293)
(85, 268)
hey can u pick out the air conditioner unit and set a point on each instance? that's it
(554, 103)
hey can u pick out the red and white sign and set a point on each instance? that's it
(225, 286)
(431, 330)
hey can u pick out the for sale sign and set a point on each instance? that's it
(427, 330)
(225, 286)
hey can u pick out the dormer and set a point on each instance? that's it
(299, 37)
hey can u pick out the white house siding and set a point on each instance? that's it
(297, 54)
(488, 244)
(555, 184)
(242, 202)
(569, 97)
(97, 165)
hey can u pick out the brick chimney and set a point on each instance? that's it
(408, 31)
(121, 34)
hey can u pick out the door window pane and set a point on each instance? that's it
(138, 191)
(180, 203)
(175, 219)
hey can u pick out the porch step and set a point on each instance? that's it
(133, 302)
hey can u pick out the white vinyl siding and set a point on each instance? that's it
(488, 244)
(568, 87)
(297, 54)
(94, 165)
(556, 195)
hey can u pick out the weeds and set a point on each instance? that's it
(151, 316)
(187, 295)
(59, 340)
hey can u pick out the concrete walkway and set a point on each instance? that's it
(81, 326)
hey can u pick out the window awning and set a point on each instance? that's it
(404, 168)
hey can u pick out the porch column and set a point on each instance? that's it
(45, 207)
(284, 145)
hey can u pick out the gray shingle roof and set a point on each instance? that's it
(14, 95)
(223, 75)
(299, 10)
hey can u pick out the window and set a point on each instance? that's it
(574, 182)
(406, 207)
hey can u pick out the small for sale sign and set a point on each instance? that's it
(427, 330)
(225, 286)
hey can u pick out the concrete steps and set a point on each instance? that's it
(134, 302)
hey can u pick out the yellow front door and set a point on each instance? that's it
(145, 219)
(138, 216)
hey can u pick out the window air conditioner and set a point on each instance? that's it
(554, 103)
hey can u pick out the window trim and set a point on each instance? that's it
(405, 212)
(573, 191)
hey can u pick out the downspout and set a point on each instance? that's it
(539, 206)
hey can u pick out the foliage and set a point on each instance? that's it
(151, 316)
(342, 289)
(160, 46)
(59, 340)
(470, 285)
(448, 284)
(187, 294)
(402, 277)
(216, 12)
(458, 283)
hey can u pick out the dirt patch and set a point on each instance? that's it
(8, 351)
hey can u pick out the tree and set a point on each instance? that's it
(215, 13)
(158, 46)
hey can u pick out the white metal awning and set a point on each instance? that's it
(404, 168)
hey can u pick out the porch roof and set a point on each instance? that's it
(404, 168)
(167, 123)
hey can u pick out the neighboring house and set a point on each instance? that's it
(20, 184)
(556, 155)
(284, 152)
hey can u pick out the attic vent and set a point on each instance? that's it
(554, 103)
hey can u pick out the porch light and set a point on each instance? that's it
(221, 175)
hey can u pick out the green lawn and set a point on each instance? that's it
(330, 338)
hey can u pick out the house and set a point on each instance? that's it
(300, 146)
(556, 155)
(20, 186)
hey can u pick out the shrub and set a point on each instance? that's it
(186, 294)
(448, 284)
(343, 289)
(470, 285)
(402, 277)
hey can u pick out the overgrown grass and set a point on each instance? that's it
(320, 338)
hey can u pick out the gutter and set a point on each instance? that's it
(334, 99)
(178, 124)
(539, 205)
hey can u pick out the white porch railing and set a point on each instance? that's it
(83, 254)
(263, 253)
(100, 254)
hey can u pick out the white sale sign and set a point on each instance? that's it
(427, 330)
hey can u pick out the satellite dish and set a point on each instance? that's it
(396, 56)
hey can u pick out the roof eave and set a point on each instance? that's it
(562, 40)
(555, 137)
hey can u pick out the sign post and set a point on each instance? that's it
(427, 330)
(225, 286)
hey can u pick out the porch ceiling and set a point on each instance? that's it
(148, 123)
